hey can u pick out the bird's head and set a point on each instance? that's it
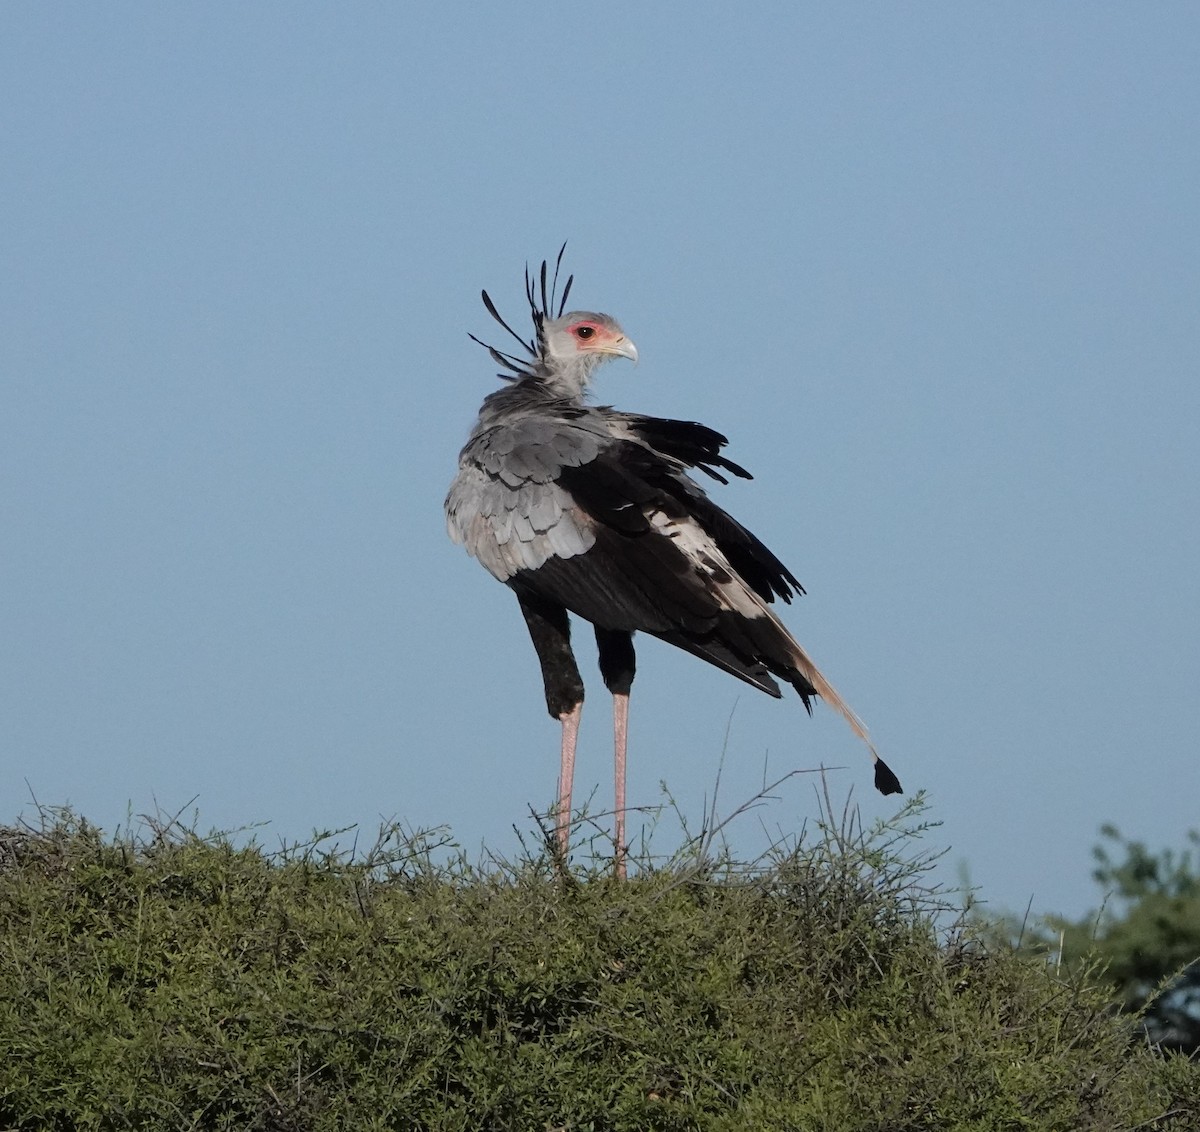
(573, 345)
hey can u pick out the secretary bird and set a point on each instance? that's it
(584, 509)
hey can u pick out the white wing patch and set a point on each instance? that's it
(709, 563)
(735, 596)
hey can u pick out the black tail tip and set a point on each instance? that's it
(885, 781)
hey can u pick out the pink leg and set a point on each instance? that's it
(620, 740)
(566, 776)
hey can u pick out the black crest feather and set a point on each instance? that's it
(541, 301)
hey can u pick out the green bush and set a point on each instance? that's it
(168, 980)
(1145, 938)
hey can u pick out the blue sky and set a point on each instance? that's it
(934, 269)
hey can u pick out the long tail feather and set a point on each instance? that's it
(886, 781)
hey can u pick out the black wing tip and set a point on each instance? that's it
(885, 781)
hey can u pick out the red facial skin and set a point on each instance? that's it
(590, 335)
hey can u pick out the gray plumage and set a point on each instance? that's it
(505, 506)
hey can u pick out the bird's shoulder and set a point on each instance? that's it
(507, 504)
(524, 440)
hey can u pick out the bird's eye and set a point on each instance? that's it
(584, 331)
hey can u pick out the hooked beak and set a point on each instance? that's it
(623, 348)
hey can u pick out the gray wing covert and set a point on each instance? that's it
(506, 507)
